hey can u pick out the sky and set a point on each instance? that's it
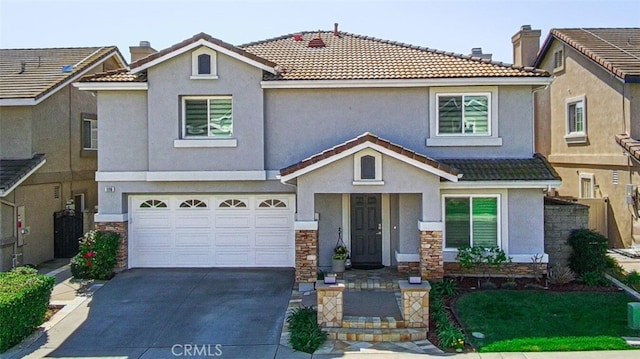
(449, 25)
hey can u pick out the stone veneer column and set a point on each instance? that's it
(330, 305)
(122, 254)
(306, 256)
(431, 261)
(415, 304)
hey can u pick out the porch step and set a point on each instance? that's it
(377, 335)
(354, 322)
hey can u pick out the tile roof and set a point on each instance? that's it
(632, 146)
(355, 57)
(367, 137)
(12, 171)
(121, 75)
(615, 49)
(504, 169)
(32, 73)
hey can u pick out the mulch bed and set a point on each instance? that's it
(470, 284)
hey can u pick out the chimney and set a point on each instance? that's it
(526, 44)
(140, 51)
(335, 29)
(477, 52)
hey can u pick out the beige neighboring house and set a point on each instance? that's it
(48, 144)
(592, 108)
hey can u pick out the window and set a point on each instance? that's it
(206, 117)
(367, 168)
(78, 202)
(272, 203)
(463, 116)
(153, 203)
(471, 221)
(89, 132)
(576, 120)
(233, 203)
(586, 185)
(193, 203)
(203, 64)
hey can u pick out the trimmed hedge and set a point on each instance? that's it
(24, 299)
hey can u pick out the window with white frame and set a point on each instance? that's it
(587, 187)
(576, 120)
(207, 117)
(471, 221)
(558, 60)
(203, 64)
(463, 116)
(89, 132)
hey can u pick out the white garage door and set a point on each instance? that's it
(211, 231)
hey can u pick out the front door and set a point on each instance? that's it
(366, 230)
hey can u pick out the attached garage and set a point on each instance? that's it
(211, 231)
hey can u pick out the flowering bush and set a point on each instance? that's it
(97, 256)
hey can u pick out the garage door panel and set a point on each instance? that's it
(193, 220)
(191, 259)
(233, 239)
(273, 239)
(238, 221)
(272, 221)
(153, 240)
(233, 259)
(154, 258)
(153, 220)
(273, 258)
(193, 239)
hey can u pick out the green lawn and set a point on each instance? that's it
(545, 321)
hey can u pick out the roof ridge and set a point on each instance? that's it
(59, 48)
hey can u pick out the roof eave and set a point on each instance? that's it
(111, 86)
(542, 184)
(371, 83)
(4, 193)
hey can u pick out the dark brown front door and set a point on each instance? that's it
(366, 229)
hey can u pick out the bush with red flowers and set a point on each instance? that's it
(97, 256)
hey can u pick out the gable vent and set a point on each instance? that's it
(56, 192)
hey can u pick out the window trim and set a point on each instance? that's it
(499, 214)
(89, 117)
(195, 75)
(435, 139)
(592, 180)
(558, 54)
(576, 136)
(189, 141)
(357, 170)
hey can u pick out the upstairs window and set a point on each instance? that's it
(558, 60)
(576, 118)
(203, 64)
(89, 132)
(464, 114)
(207, 117)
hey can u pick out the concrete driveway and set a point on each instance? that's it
(168, 313)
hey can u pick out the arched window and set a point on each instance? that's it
(153, 203)
(204, 64)
(272, 203)
(367, 167)
(193, 203)
(233, 203)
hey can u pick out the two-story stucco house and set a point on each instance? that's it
(256, 155)
(594, 97)
(48, 143)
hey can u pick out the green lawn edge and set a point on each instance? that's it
(558, 344)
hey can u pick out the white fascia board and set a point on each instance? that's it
(481, 81)
(210, 45)
(180, 176)
(499, 184)
(24, 178)
(375, 147)
(108, 217)
(33, 102)
(111, 86)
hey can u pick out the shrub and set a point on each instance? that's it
(24, 299)
(306, 335)
(447, 288)
(589, 251)
(593, 279)
(97, 256)
(450, 336)
(632, 279)
(561, 275)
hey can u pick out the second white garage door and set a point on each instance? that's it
(211, 231)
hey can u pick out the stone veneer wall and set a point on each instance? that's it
(122, 254)
(306, 256)
(516, 269)
(560, 218)
(408, 267)
(431, 261)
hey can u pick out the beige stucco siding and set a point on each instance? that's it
(15, 132)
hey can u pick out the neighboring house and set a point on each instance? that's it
(594, 96)
(48, 143)
(218, 155)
